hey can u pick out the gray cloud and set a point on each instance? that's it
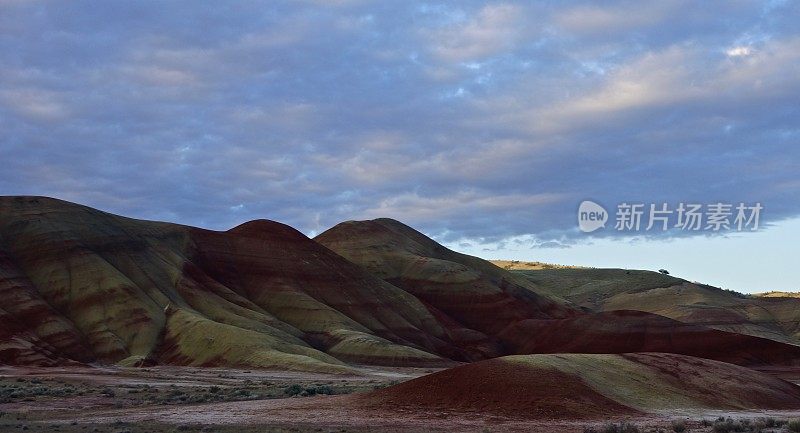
(468, 120)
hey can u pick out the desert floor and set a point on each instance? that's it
(177, 399)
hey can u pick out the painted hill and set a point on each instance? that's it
(86, 285)
(773, 317)
(81, 285)
(482, 297)
(474, 297)
(584, 386)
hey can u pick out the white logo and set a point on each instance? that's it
(635, 217)
(591, 216)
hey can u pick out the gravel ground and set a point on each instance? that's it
(173, 399)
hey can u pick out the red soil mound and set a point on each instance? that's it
(585, 386)
(500, 388)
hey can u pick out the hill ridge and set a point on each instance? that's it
(90, 286)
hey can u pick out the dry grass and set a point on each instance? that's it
(775, 294)
(517, 265)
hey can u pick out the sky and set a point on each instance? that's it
(481, 124)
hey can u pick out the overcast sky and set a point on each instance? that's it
(483, 124)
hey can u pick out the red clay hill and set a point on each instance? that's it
(586, 386)
(81, 285)
(481, 297)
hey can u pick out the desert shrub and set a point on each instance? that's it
(622, 427)
(198, 399)
(214, 389)
(39, 390)
(293, 390)
(324, 389)
(727, 425)
(175, 393)
(722, 425)
(678, 426)
(628, 428)
(794, 425)
(309, 391)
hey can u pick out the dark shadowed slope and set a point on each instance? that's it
(466, 289)
(635, 331)
(515, 316)
(776, 318)
(86, 285)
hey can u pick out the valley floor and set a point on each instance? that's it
(171, 399)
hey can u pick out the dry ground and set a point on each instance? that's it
(170, 399)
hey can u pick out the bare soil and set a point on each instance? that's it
(180, 399)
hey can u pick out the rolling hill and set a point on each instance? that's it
(598, 290)
(84, 286)
(483, 297)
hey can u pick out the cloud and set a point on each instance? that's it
(491, 30)
(35, 104)
(739, 51)
(474, 121)
(413, 208)
(595, 19)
